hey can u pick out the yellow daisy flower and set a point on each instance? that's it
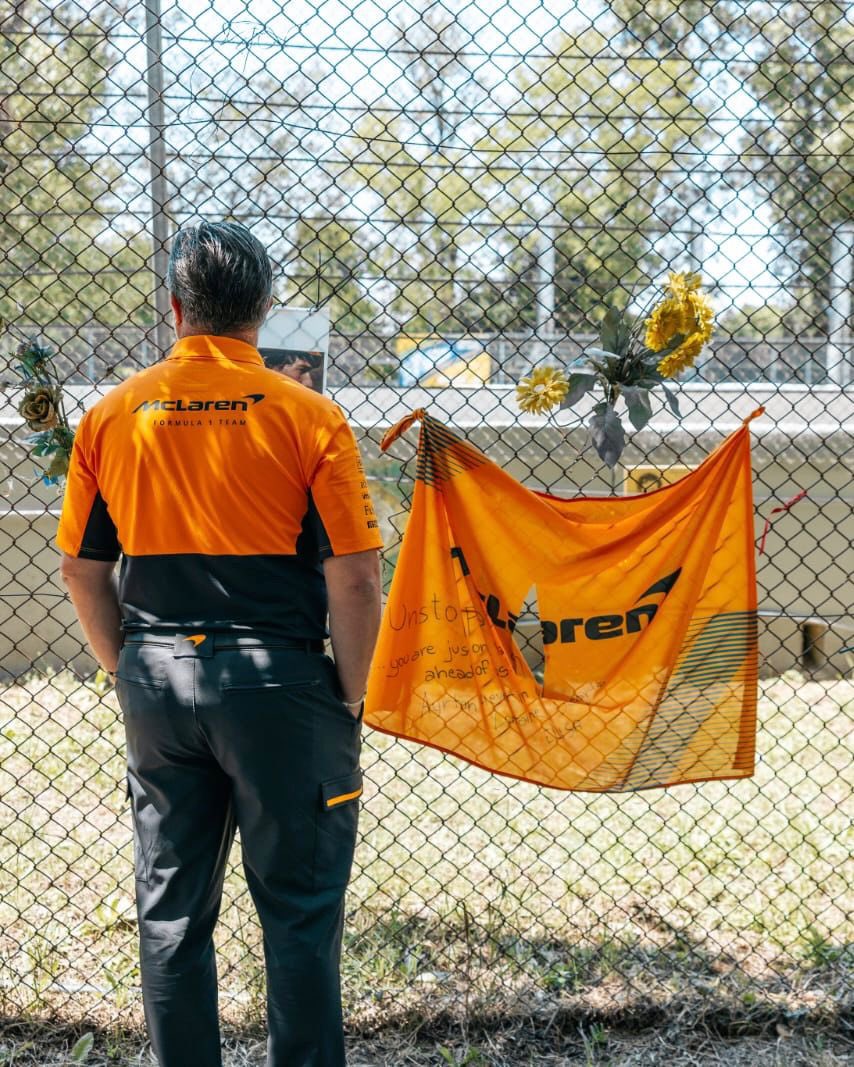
(544, 389)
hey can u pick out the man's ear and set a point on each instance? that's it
(176, 310)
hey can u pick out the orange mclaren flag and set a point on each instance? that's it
(647, 612)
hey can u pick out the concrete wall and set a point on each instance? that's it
(804, 441)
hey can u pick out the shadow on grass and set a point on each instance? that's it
(418, 982)
(451, 975)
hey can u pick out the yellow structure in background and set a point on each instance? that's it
(433, 362)
(646, 478)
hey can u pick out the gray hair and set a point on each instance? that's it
(221, 276)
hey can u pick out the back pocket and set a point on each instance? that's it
(262, 669)
(254, 687)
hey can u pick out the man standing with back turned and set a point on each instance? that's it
(237, 501)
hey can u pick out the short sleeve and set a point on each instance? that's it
(86, 529)
(339, 491)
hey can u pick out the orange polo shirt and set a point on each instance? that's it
(222, 485)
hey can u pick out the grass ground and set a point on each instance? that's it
(50, 1046)
(489, 918)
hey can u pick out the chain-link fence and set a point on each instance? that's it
(480, 175)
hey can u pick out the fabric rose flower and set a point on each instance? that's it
(39, 408)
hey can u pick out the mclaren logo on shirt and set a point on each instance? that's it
(200, 405)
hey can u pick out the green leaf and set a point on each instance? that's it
(447, 1056)
(64, 436)
(675, 342)
(609, 330)
(58, 467)
(672, 400)
(82, 1048)
(624, 332)
(35, 363)
(606, 433)
(605, 362)
(579, 384)
(38, 438)
(638, 403)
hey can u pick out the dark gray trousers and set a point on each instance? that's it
(256, 737)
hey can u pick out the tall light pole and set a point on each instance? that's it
(161, 334)
(550, 223)
(839, 360)
(546, 296)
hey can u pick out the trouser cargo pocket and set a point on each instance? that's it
(337, 824)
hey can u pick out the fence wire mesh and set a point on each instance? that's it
(478, 175)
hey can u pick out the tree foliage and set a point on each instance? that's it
(585, 156)
(249, 159)
(62, 262)
(800, 149)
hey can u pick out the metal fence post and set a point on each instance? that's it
(839, 358)
(157, 162)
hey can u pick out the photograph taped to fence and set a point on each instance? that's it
(646, 607)
(295, 342)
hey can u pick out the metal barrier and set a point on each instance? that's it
(488, 176)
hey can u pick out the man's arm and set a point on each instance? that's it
(92, 588)
(355, 604)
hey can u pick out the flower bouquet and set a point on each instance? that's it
(43, 411)
(635, 356)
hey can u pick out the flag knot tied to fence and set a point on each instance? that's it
(645, 607)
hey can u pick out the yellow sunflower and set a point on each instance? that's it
(667, 319)
(542, 390)
(687, 311)
(680, 283)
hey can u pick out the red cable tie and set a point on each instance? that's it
(776, 511)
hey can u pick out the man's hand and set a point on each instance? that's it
(92, 588)
(355, 603)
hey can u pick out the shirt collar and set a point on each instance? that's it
(209, 346)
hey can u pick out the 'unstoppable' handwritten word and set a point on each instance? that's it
(404, 617)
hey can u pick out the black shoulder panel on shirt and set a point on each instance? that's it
(100, 539)
(313, 541)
